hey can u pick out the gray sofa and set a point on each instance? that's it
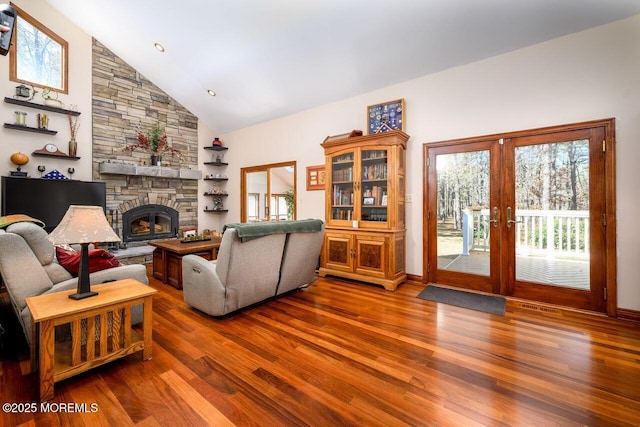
(28, 267)
(246, 273)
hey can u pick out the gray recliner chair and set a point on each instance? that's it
(28, 267)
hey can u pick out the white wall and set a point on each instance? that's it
(585, 76)
(79, 94)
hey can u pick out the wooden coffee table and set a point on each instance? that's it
(107, 335)
(167, 258)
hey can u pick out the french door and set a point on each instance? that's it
(524, 215)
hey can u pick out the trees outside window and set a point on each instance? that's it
(38, 55)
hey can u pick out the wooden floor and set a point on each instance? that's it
(341, 353)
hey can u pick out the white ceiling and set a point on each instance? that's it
(269, 58)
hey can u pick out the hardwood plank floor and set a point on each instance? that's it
(344, 353)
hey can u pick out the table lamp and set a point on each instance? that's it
(83, 225)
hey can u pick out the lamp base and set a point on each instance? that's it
(83, 295)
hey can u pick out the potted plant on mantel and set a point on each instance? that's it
(153, 140)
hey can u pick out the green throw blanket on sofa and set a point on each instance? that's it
(249, 231)
(6, 221)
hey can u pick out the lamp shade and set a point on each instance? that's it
(83, 224)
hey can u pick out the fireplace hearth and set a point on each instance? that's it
(149, 222)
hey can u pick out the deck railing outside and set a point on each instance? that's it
(538, 232)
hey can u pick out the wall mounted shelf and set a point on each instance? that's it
(216, 148)
(57, 156)
(40, 106)
(216, 210)
(30, 129)
(216, 179)
(216, 164)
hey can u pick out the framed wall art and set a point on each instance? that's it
(316, 177)
(385, 117)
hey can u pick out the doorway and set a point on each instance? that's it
(528, 214)
(268, 192)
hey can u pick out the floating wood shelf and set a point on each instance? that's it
(216, 148)
(216, 163)
(57, 156)
(216, 179)
(216, 210)
(40, 106)
(30, 129)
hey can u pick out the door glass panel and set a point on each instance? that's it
(552, 213)
(463, 212)
(257, 201)
(374, 185)
(342, 191)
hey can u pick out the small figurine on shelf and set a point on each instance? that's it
(217, 204)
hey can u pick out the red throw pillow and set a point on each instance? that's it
(99, 259)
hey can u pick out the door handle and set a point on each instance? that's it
(509, 220)
(494, 221)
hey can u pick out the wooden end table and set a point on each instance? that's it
(167, 258)
(108, 330)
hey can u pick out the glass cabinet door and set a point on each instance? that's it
(373, 185)
(342, 181)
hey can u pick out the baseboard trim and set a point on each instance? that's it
(627, 314)
(414, 278)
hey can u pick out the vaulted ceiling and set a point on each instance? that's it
(269, 58)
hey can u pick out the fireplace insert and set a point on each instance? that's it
(149, 222)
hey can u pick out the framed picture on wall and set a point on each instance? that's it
(386, 117)
(316, 177)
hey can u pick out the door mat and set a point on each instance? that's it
(473, 301)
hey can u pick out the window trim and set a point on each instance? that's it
(13, 56)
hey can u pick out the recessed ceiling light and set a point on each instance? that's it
(211, 92)
(159, 47)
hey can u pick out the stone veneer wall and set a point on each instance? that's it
(123, 99)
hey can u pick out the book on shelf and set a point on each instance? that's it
(344, 214)
(345, 174)
(377, 171)
(342, 196)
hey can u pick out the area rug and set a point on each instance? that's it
(473, 301)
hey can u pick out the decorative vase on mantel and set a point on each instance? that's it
(73, 147)
(155, 160)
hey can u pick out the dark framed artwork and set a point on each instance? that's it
(385, 117)
(316, 177)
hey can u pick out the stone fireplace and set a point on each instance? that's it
(150, 202)
(144, 202)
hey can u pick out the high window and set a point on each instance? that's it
(38, 55)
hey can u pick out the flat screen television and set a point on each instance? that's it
(49, 199)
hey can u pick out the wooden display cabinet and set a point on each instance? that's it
(365, 209)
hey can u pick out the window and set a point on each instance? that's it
(253, 207)
(38, 55)
(279, 208)
(265, 190)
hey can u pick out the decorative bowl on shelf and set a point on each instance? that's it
(53, 102)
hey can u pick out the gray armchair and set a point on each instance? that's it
(28, 267)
